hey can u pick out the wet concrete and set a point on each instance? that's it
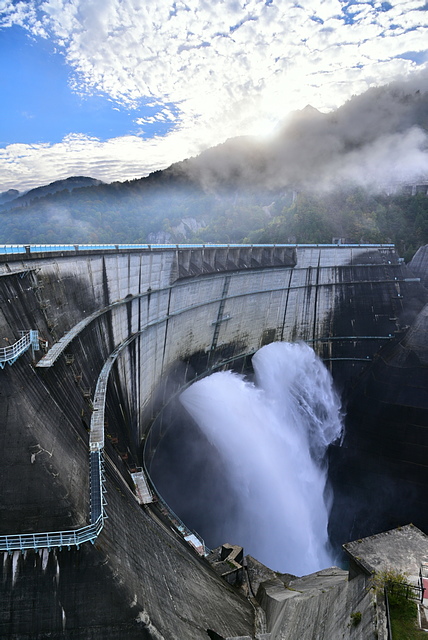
(140, 579)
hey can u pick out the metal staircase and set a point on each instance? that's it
(9, 354)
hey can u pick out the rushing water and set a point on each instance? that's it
(272, 436)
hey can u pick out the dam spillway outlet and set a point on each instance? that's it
(262, 483)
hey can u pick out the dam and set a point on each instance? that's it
(95, 340)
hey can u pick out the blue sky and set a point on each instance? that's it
(115, 89)
(38, 105)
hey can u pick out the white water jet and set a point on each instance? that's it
(273, 436)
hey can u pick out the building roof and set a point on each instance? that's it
(403, 549)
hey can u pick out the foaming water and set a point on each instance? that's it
(273, 437)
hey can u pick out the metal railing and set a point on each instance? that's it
(9, 249)
(96, 483)
(55, 351)
(9, 354)
(184, 531)
(97, 514)
(48, 540)
(406, 591)
(388, 614)
(73, 537)
(76, 537)
(96, 444)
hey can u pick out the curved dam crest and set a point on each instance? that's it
(187, 311)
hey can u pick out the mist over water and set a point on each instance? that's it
(272, 436)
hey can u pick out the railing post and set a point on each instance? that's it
(388, 615)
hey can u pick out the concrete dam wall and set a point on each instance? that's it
(154, 314)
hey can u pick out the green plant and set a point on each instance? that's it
(403, 611)
(403, 614)
(356, 618)
(391, 579)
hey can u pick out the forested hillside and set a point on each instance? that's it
(174, 214)
(355, 216)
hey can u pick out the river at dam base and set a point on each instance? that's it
(272, 435)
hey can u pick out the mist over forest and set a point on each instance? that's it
(319, 176)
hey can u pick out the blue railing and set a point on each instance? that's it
(9, 354)
(12, 248)
(48, 540)
(76, 537)
(48, 248)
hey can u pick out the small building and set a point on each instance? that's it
(403, 549)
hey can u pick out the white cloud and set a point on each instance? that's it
(26, 166)
(226, 66)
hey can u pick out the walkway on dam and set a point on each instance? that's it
(10, 354)
(33, 249)
(59, 347)
(90, 532)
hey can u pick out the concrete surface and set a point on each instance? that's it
(319, 606)
(141, 580)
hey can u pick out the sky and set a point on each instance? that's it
(115, 89)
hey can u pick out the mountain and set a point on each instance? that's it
(320, 176)
(6, 196)
(75, 182)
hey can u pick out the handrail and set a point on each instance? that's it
(97, 435)
(96, 438)
(90, 532)
(15, 349)
(55, 351)
(9, 354)
(409, 591)
(73, 537)
(173, 517)
(388, 614)
(177, 521)
(10, 249)
(76, 537)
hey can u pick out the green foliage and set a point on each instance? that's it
(392, 579)
(403, 611)
(356, 618)
(403, 614)
(356, 216)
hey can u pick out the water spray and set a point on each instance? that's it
(273, 435)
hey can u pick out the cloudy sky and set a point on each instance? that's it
(114, 89)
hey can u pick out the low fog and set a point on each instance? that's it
(375, 140)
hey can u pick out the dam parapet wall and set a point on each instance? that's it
(166, 305)
(346, 302)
